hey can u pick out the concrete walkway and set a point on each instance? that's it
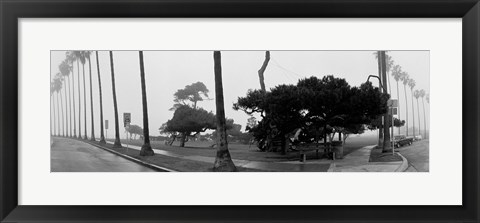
(356, 161)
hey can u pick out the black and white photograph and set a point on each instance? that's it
(239, 111)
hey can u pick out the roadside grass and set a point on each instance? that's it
(248, 152)
(177, 164)
(376, 155)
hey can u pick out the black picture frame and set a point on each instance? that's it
(12, 10)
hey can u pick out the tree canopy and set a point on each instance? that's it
(328, 104)
(191, 93)
(134, 130)
(187, 119)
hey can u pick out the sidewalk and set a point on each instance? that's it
(356, 161)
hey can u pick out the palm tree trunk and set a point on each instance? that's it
(79, 104)
(262, 71)
(92, 138)
(419, 124)
(73, 103)
(146, 149)
(406, 107)
(223, 160)
(424, 120)
(84, 103)
(398, 104)
(117, 143)
(67, 127)
(102, 137)
(413, 114)
(58, 116)
(63, 117)
(386, 118)
(54, 116)
(389, 86)
(380, 88)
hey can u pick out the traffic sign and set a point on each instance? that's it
(126, 119)
(392, 103)
(392, 111)
(106, 124)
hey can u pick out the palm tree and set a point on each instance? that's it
(405, 79)
(397, 74)
(380, 87)
(65, 68)
(52, 90)
(57, 86)
(87, 54)
(388, 66)
(102, 137)
(416, 94)
(223, 160)
(78, 56)
(59, 95)
(71, 59)
(262, 70)
(83, 60)
(411, 84)
(386, 118)
(146, 148)
(422, 94)
(117, 143)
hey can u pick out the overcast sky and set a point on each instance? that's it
(168, 71)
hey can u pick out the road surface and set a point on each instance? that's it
(417, 155)
(69, 155)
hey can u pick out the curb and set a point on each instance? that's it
(141, 162)
(404, 165)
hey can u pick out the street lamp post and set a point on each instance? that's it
(384, 119)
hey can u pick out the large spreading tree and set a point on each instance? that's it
(319, 107)
(189, 121)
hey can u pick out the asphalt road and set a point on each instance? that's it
(417, 155)
(68, 155)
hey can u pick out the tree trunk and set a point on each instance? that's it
(418, 115)
(102, 137)
(262, 70)
(398, 109)
(413, 115)
(54, 116)
(173, 140)
(92, 138)
(73, 103)
(381, 89)
(79, 104)
(183, 139)
(386, 118)
(146, 148)
(67, 127)
(424, 120)
(406, 107)
(223, 160)
(58, 116)
(63, 117)
(117, 143)
(84, 104)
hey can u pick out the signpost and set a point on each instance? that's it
(106, 128)
(126, 124)
(126, 119)
(392, 110)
